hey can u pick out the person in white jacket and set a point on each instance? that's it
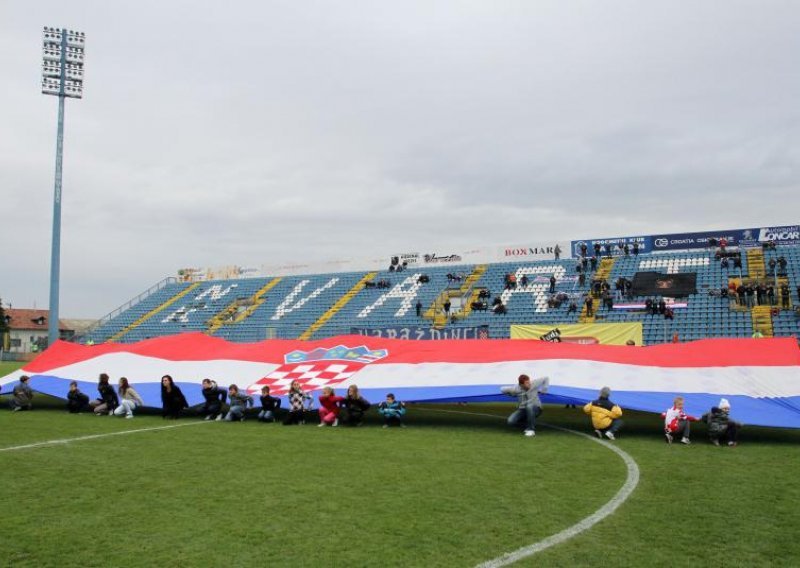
(676, 422)
(530, 406)
(129, 399)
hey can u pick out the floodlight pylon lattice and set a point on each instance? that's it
(62, 76)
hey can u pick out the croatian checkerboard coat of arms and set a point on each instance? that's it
(318, 368)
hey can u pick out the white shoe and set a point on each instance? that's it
(320, 425)
(610, 435)
(219, 417)
(529, 433)
(207, 417)
(599, 434)
(129, 416)
(669, 437)
(686, 441)
(335, 422)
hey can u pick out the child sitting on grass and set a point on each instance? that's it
(76, 400)
(355, 406)
(676, 422)
(721, 429)
(330, 406)
(296, 398)
(238, 401)
(269, 406)
(392, 411)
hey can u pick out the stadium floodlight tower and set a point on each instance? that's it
(62, 76)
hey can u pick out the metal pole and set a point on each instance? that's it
(55, 251)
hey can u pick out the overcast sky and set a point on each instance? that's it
(251, 133)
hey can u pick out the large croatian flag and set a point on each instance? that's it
(760, 377)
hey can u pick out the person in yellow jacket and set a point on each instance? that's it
(605, 415)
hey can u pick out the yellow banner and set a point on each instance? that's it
(588, 333)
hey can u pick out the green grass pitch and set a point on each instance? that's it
(450, 490)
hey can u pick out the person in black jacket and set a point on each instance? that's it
(269, 406)
(76, 400)
(108, 400)
(215, 397)
(172, 399)
(355, 406)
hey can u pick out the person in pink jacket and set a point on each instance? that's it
(330, 405)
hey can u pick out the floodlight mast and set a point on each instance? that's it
(62, 76)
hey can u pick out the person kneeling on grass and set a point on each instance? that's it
(214, 397)
(129, 399)
(297, 396)
(22, 395)
(108, 400)
(392, 411)
(721, 429)
(355, 406)
(605, 415)
(172, 399)
(239, 401)
(530, 406)
(330, 406)
(76, 400)
(676, 422)
(269, 406)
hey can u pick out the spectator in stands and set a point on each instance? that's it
(557, 252)
(593, 263)
(21, 395)
(648, 305)
(669, 314)
(608, 249)
(552, 284)
(330, 406)
(239, 402)
(723, 292)
(269, 406)
(785, 296)
(723, 243)
(724, 263)
(737, 262)
(446, 307)
(297, 397)
(500, 309)
(573, 308)
(721, 429)
(605, 415)
(597, 287)
(771, 295)
(529, 405)
(582, 279)
(214, 397)
(782, 265)
(584, 249)
(629, 289)
(676, 338)
(676, 422)
(172, 399)
(108, 400)
(740, 295)
(596, 248)
(418, 307)
(772, 265)
(626, 249)
(630, 343)
(635, 249)
(524, 280)
(129, 399)
(585, 264)
(76, 400)
(589, 305)
(608, 301)
(393, 411)
(757, 334)
(662, 306)
(355, 407)
(798, 293)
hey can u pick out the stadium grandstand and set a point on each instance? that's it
(741, 289)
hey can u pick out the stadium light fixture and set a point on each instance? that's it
(62, 76)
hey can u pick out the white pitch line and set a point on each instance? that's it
(581, 526)
(95, 436)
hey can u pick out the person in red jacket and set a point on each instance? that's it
(330, 405)
(676, 422)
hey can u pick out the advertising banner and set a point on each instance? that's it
(645, 245)
(583, 333)
(535, 251)
(657, 284)
(474, 332)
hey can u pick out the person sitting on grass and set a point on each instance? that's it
(108, 400)
(22, 395)
(392, 411)
(605, 415)
(269, 406)
(330, 406)
(676, 422)
(76, 400)
(355, 406)
(129, 399)
(172, 399)
(214, 397)
(238, 402)
(297, 396)
(529, 405)
(721, 429)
